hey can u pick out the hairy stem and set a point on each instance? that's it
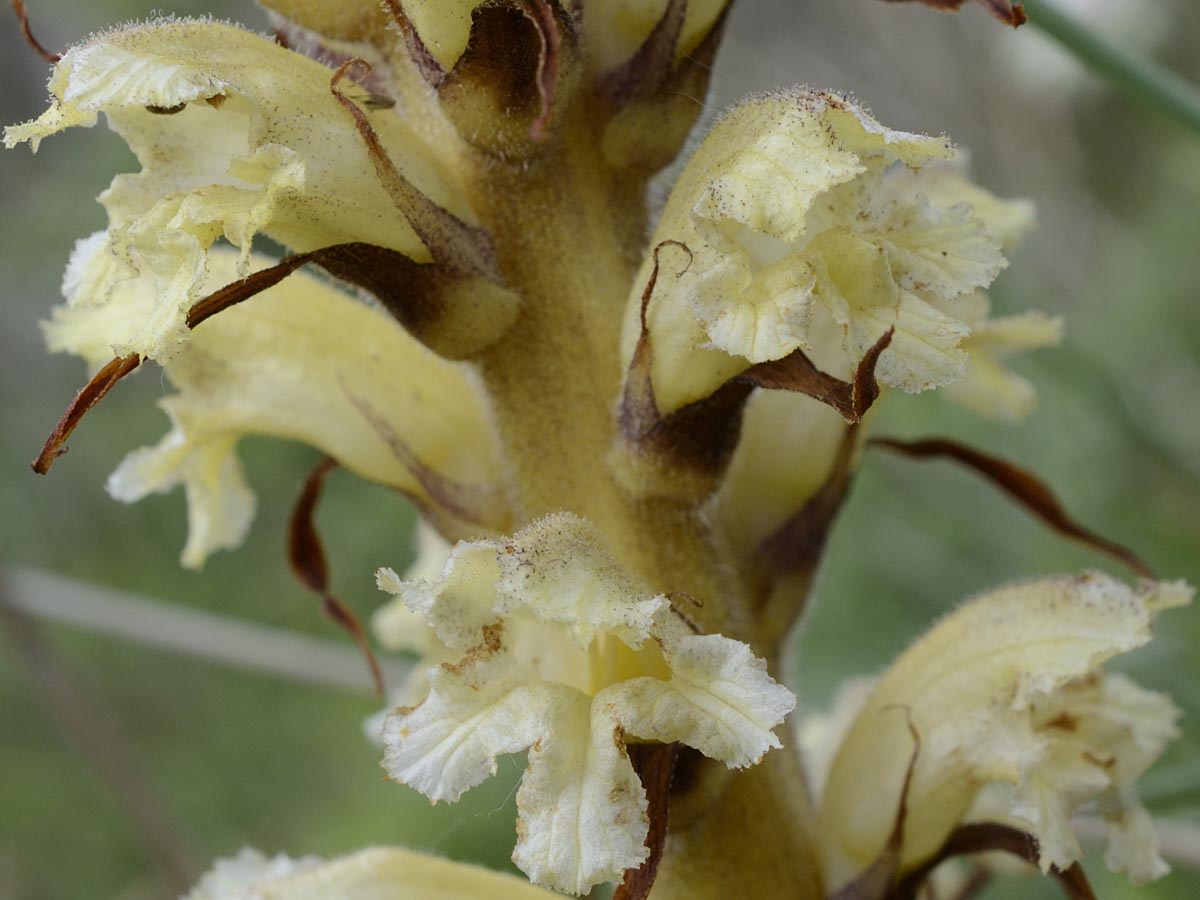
(562, 227)
(743, 834)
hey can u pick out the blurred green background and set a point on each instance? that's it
(232, 759)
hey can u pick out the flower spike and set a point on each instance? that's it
(627, 429)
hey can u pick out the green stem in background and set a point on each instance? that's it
(1140, 78)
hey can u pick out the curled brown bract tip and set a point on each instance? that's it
(648, 291)
(796, 372)
(353, 69)
(306, 554)
(89, 395)
(866, 388)
(639, 408)
(27, 33)
(542, 14)
(1005, 10)
(425, 61)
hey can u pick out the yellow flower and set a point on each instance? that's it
(301, 361)
(237, 136)
(1015, 723)
(568, 657)
(379, 873)
(802, 218)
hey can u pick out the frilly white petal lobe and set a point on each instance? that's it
(583, 809)
(475, 711)
(719, 699)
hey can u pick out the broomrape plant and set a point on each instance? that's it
(627, 433)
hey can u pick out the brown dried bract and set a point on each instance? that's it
(874, 883)
(428, 299)
(89, 395)
(1005, 10)
(425, 61)
(649, 68)
(396, 282)
(654, 99)
(699, 437)
(655, 766)
(798, 544)
(480, 505)
(1022, 486)
(27, 32)
(453, 243)
(981, 838)
(796, 372)
(639, 408)
(306, 555)
(505, 89)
